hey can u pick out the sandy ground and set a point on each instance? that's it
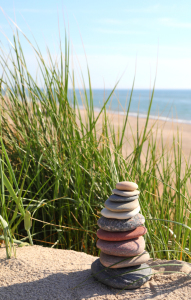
(44, 274)
(167, 128)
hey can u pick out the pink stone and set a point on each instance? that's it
(121, 236)
(123, 248)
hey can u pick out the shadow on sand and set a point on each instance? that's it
(64, 286)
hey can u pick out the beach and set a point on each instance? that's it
(41, 273)
(168, 129)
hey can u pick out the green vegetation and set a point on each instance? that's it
(58, 168)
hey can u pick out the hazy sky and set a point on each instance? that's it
(115, 35)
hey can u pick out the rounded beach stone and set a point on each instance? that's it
(121, 206)
(116, 198)
(125, 193)
(116, 278)
(120, 215)
(126, 186)
(123, 248)
(121, 262)
(121, 236)
(115, 225)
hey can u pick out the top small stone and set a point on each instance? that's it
(126, 186)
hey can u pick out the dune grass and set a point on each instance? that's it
(60, 168)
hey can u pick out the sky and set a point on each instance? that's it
(120, 39)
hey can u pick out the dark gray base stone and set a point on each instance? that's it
(116, 278)
(110, 224)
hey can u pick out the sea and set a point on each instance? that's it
(167, 105)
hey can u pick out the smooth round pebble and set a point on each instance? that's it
(121, 262)
(115, 225)
(123, 248)
(121, 206)
(116, 198)
(116, 278)
(121, 236)
(126, 186)
(120, 215)
(125, 193)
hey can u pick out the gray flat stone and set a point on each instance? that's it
(121, 206)
(109, 224)
(125, 193)
(116, 198)
(116, 277)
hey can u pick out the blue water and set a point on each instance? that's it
(167, 104)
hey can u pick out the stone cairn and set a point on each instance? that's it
(121, 240)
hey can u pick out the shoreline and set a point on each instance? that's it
(143, 116)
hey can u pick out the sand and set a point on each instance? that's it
(159, 128)
(41, 273)
(168, 128)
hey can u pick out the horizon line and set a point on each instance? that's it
(146, 89)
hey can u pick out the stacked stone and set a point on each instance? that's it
(121, 240)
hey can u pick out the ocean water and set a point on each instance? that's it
(167, 104)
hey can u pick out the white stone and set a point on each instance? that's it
(120, 215)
